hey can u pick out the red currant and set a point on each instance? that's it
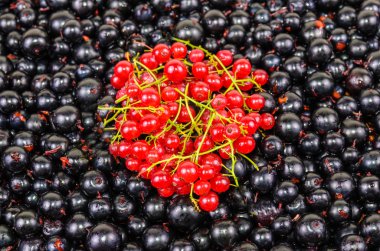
(234, 99)
(208, 144)
(267, 121)
(214, 81)
(241, 68)
(249, 125)
(130, 130)
(260, 76)
(202, 187)
(149, 60)
(184, 115)
(169, 94)
(175, 70)
(188, 171)
(132, 164)
(245, 144)
(172, 141)
(149, 123)
(123, 70)
(150, 97)
(209, 202)
(225, 56)
(220, 184)
(200, 91)
(232, 131)
(179, 50)
(196, 55)
(162, 53)
(117, 82)
(124, 149)
(140, 149)
(199, 70)
(207, 172)
(161, 179)
(166, 192)
(255, 102)
(216, 132)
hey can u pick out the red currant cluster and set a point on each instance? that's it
(179, 113)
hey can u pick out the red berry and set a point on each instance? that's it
(153, 156)
(145, 172)
(208, 144)
(220, 184)
(225, 152)
(117, 82)
(216, 132)
(202, 187)
(113, 149)
(132, 164)
(149, 123)
(241, 68)
(166, 192)
(232, 131)
(225, 56)
(255, 102)
(140, 149)
(206, 172)
(173, 108)
(123, 70)
(179, 50)
(130, 130)
(161, 179)
(149, 60)
(209, 202)
(260, 76)
(184, 115)
(175, 70)
(214, 81)
(200, 91)
(213, 160)
(249, 124)
(177, 181)
(245, 144)
(236, 113)
(196, 55)
(172, 141)
(188, 171)
(169, 94)
(188, 145)
(150, 97)
(234, 99)
(162, 53)
(226, 79)
(124, 149)
(199, 70)
(267, 121)
(184, 190)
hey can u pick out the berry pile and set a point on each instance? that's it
(180, 112)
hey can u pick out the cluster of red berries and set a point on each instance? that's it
(179, 113)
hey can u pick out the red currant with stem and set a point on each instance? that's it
(173, 108)
(149, 123)
(184, 190)
(178, 50)
(184, 115)
(188, 146)
(202, 187)
(234, 99)
(241, 68)
(200, 91)
(150, 97)
(220, 183)
(246, 86)
(188, 171)
(123, 70)
(177, 181)
(161, 179)
(225, 152)
(213, 160)
(249, 125)
(153, 156)
(133, 90)
(162, 53)
(130, 130)
(169, 94)
(226, 79)
(145, 172)
(225, 56)
(267, 121)
(207, 144)
(236, 113)
(175, 70)
(149, 60)
(209, 202)
(199, 70)
(245, 144)
(260, 76)
(255, 102)
(196, 55)
(232, 131)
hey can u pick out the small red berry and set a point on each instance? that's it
(202, 187)
(241, 68)
(130, 130)
(245, 144)
(267, 121)
(149, 60)
(225, 57)
(255, 102)
(188, 171)
(123, 70)
(260, 76)
(220, 184)
(196, 55)
(175, 70)
(161, 179)
(178, 50)
(209, 202)
(199, 70)
(162, 53)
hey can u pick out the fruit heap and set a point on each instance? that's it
(178, 113)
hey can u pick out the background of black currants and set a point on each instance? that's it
(317, 188)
